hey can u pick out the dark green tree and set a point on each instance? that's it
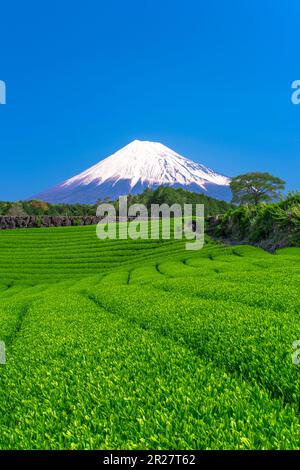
(252, 188)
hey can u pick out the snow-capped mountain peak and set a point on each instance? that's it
(131, 169)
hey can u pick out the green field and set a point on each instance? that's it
(144, 345)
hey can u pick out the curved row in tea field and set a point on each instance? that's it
(142, 344)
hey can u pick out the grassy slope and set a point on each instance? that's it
(141, 344)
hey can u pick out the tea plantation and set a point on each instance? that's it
(123, 344)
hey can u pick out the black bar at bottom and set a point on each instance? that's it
(136, 459)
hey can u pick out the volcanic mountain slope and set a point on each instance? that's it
(132, 169)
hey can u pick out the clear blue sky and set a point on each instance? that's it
(209, 78)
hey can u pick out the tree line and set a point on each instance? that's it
(163, 194)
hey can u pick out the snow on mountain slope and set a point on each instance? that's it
(133, 168)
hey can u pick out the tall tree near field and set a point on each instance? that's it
(252, 188)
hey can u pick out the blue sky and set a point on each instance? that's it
(210, 79)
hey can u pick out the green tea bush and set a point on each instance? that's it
(123, 344)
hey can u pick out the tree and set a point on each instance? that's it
(17, 210)
(252, 188)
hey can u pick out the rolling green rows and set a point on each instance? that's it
(142, 344)
(34, 255)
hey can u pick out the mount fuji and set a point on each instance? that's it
(132, 169)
